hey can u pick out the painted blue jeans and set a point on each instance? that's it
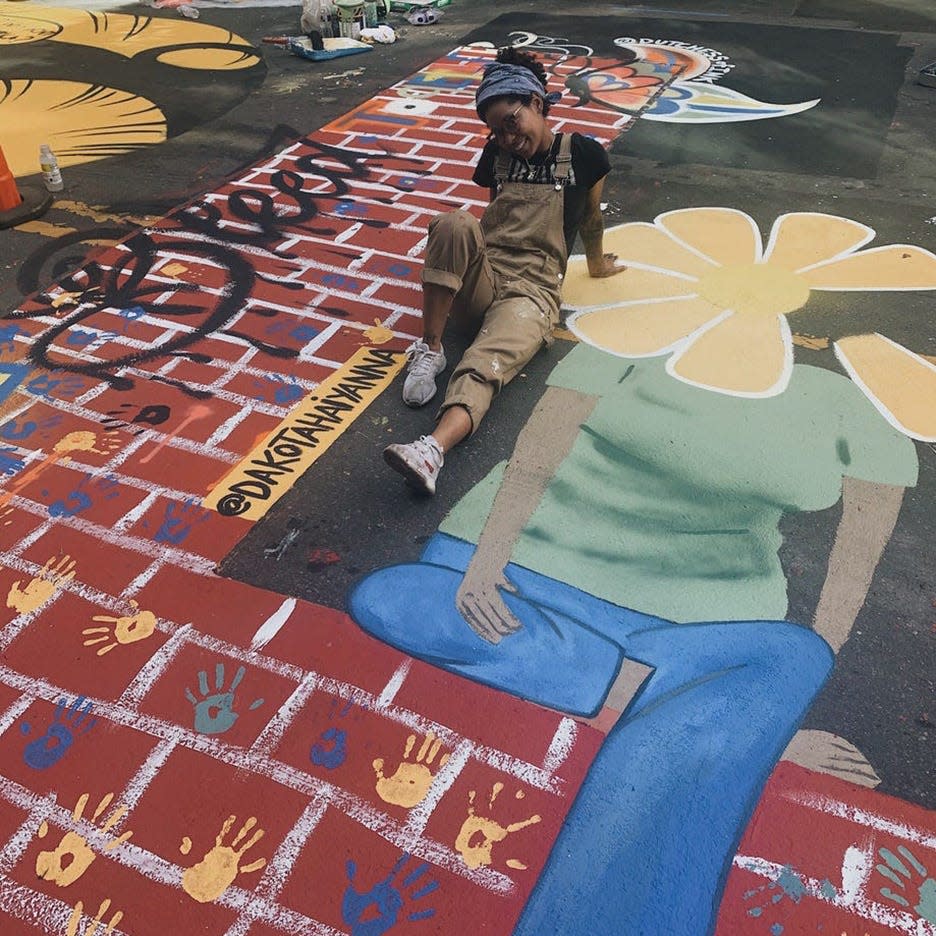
(649, 840)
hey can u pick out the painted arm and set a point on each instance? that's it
(869, 513)
(600, 264)
(543, 443)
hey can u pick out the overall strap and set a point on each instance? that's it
(501, 168)
(563, 161)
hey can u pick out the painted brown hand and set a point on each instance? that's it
(40, 589)
(479, 600)
(411, 780)
(216, 872)
(479, 834)
(73, 855)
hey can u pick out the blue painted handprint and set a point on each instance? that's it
(374, 912)
(214, 712)
(331, 749)
(50, 748)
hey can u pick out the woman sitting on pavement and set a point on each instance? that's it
(502, 276)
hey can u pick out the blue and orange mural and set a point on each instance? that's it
(632, 680)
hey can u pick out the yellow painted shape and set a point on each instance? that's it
(579, 290)
(128, 35)
(754, 289)
(53, 576)
(379, 334)
(209, 59)
(724, 235)
(81, 122)
(643, 329)
(640, 242)
(900, 383)
(410, 782)
(802, 239)
(75, 920)
(174, 269)
(97, 213)
(812, 342)
(744, 355)
(128, 629)
(216, 872)
(67, 862)
(896, 266)
(322, 427)
(45, 228)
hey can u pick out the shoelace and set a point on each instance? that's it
(421, 360)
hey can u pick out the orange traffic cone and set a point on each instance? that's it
(19, 203)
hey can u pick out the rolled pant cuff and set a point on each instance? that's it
(441, 278)
(465, 405)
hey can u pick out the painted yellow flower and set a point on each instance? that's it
(701, 287)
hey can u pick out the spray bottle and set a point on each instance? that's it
(51, 174)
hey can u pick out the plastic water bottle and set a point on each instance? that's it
(51, 174)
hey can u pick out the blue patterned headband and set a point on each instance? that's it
(504, 80)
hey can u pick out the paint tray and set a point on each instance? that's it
(334, 48)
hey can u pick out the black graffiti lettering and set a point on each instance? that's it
(254, 488)
(264, 477)
(268, 461)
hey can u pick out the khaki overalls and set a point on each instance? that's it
(506, 272)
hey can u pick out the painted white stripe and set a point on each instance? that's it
(394, 684)
(561, 745)
(862, 817)
(272, 625)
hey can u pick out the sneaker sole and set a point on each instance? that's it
(412, 477)
(415, 404)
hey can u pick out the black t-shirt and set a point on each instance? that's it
(590, 164)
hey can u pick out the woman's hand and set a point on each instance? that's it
(605, 267)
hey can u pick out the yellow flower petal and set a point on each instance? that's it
(579, 290)
(644, 243)
(743, 355)
(644, 328)
(896, 266)
(901, 384)
(801, 239)
(727, 236)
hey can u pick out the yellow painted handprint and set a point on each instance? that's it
(97, 925)
(411, 781)
(127, 630)
(478, 834)
(216, 872)
(73, 855)
(43, 587)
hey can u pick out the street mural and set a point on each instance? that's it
(140, 93)
(271, 768)
(693, 97)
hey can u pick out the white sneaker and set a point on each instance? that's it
(423, 368)
(419, 462)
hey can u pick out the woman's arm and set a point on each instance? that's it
(543, 443)
(869, 513)
(600, 264)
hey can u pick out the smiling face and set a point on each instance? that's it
(519, 128)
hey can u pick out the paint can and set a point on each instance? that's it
(350, 17)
